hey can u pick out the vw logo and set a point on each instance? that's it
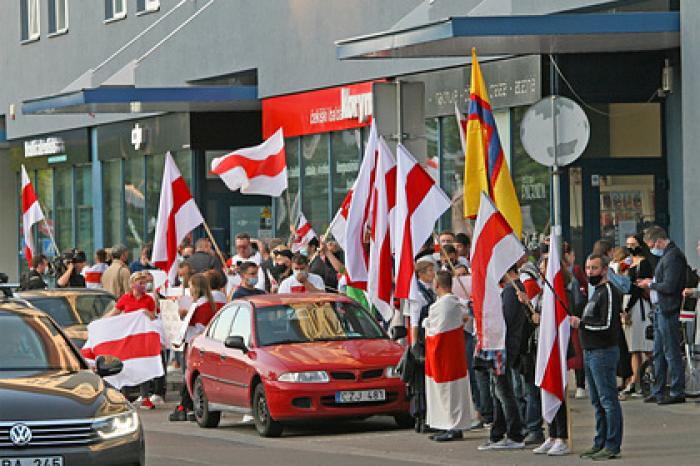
(20, 435)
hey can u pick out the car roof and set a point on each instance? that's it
(263, 300)
(9, 307)
(60, 292)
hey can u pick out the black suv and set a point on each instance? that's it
(55, 410)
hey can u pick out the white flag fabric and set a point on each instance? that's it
(550, 371)
(494, 250)
(255, 170)
(359, 215)
(447, 390)
(462, 127)
(419, 204)
(339, 224)
(178, 215)
(133, 338)
(31, 214)
(303, 235)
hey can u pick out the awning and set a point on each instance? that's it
(520, 35)
(129, 99)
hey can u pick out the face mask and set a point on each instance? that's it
(252, 281)
(301, 275)
(140, 288)
(149, 287)
(278, 269)
(304, 252)
(595, 280)
(657, 252)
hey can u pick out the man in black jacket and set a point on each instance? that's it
(203, 258)
(666, 294)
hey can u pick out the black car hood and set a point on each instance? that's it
(32, 396)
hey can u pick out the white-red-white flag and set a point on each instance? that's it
(550, 371)
(359, 215)
(339, 224)
(133, 338)
(255, 170)
(303, 235)
(31, 214)
(419, 204)
(462, 128)
(381, 269)
(178, 215)
(495, 249)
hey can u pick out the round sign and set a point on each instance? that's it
(537, 131)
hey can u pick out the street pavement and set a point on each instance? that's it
(653, 435)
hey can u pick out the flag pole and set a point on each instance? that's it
(213, 241)
(48, 229)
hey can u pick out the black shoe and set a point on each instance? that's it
(671, 400)
(440, 432)
(448, 436)
(651, 399)
(178, 415)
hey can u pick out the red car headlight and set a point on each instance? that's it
(305, 377)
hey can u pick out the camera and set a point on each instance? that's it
(59, 265)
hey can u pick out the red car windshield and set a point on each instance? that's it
(320, 321)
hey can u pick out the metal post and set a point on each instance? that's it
(556, 201)
(399, 125)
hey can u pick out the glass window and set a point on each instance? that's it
(347, 154)
(44, 192)
(93, 306)
(291, 147)
(155, 164)
(112, 200)
(220, 330)
(183, 159)
(241, 325)
(63, 179)
(30, 23)
(626, 206)
(115, 9)
(58, 308)
(58, 16)
(147, 5)
(624, 130)
(83, 208)
(432, 163)
(314, 150)
(135, 203)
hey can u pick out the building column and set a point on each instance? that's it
(97, 189)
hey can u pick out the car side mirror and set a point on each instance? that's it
(397, 333)
(236, 342)
(108, 365)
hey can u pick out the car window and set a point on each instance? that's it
(223, 324)
(93, 306)
(34, 343)
(58, 308)
(241, 326)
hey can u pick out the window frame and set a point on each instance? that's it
(144, 7)
(26, 35)
(114, 15)
(53, 8)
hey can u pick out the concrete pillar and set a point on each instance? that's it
(9, 227)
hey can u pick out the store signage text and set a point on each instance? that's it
(356, 106)
(41, 147)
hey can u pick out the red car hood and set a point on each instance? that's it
(348, 354)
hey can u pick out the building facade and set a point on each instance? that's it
(95, 93)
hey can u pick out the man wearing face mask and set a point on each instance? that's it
(248, 272)
(246, 253)
(666, 296)
(599, 330)
(301, 281)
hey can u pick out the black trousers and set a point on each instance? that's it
(506, 414)
(558, 426)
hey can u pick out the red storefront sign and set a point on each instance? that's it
(320, 111)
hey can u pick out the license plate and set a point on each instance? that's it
(360, 396)
(36, 461)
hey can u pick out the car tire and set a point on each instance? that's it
(204, 417)
(264, 424)
(404, 421)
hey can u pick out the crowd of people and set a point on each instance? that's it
(624, 305)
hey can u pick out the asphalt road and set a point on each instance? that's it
(654, 435)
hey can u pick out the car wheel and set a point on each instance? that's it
(204, 417)
(264, 424)
(404, 421)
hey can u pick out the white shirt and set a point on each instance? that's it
(292, 285)
(414, 307)
(257, 259)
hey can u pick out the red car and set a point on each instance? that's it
(294, 357)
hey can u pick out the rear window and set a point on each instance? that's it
(93, 306)
(58, 308)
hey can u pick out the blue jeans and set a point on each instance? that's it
(533, 409)
(667, 353)
(601, 368)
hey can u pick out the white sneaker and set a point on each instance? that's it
(138, 400)
(157, 400)
(560, 448)
(580, 394)
(508, 444)
(544, 448)
(247, 419)
(488, 445)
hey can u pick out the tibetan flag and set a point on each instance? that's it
(485, 167)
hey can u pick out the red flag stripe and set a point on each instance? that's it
(441, 365)
(181, 195)
(28, 197)
(142, 345)
(552, 380)
(270, 166)
(303, 230)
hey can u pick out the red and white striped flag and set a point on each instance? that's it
(303, 235)
(134, 339)
(31, 214)
(255, 170)
(178, 215)
(340, 222)
(550, 371)
(381, 269)
(419, 204)
(495, 249)
(93, 275)
(462, 127)
(359, 215)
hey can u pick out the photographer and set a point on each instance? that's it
(34, 280)
(74, 261)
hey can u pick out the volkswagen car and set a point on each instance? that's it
(295, 357)
(55, 410)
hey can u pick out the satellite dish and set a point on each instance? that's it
(572, 127)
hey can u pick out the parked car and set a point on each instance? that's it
(72, 308)
(55, 410)
(295, 357)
